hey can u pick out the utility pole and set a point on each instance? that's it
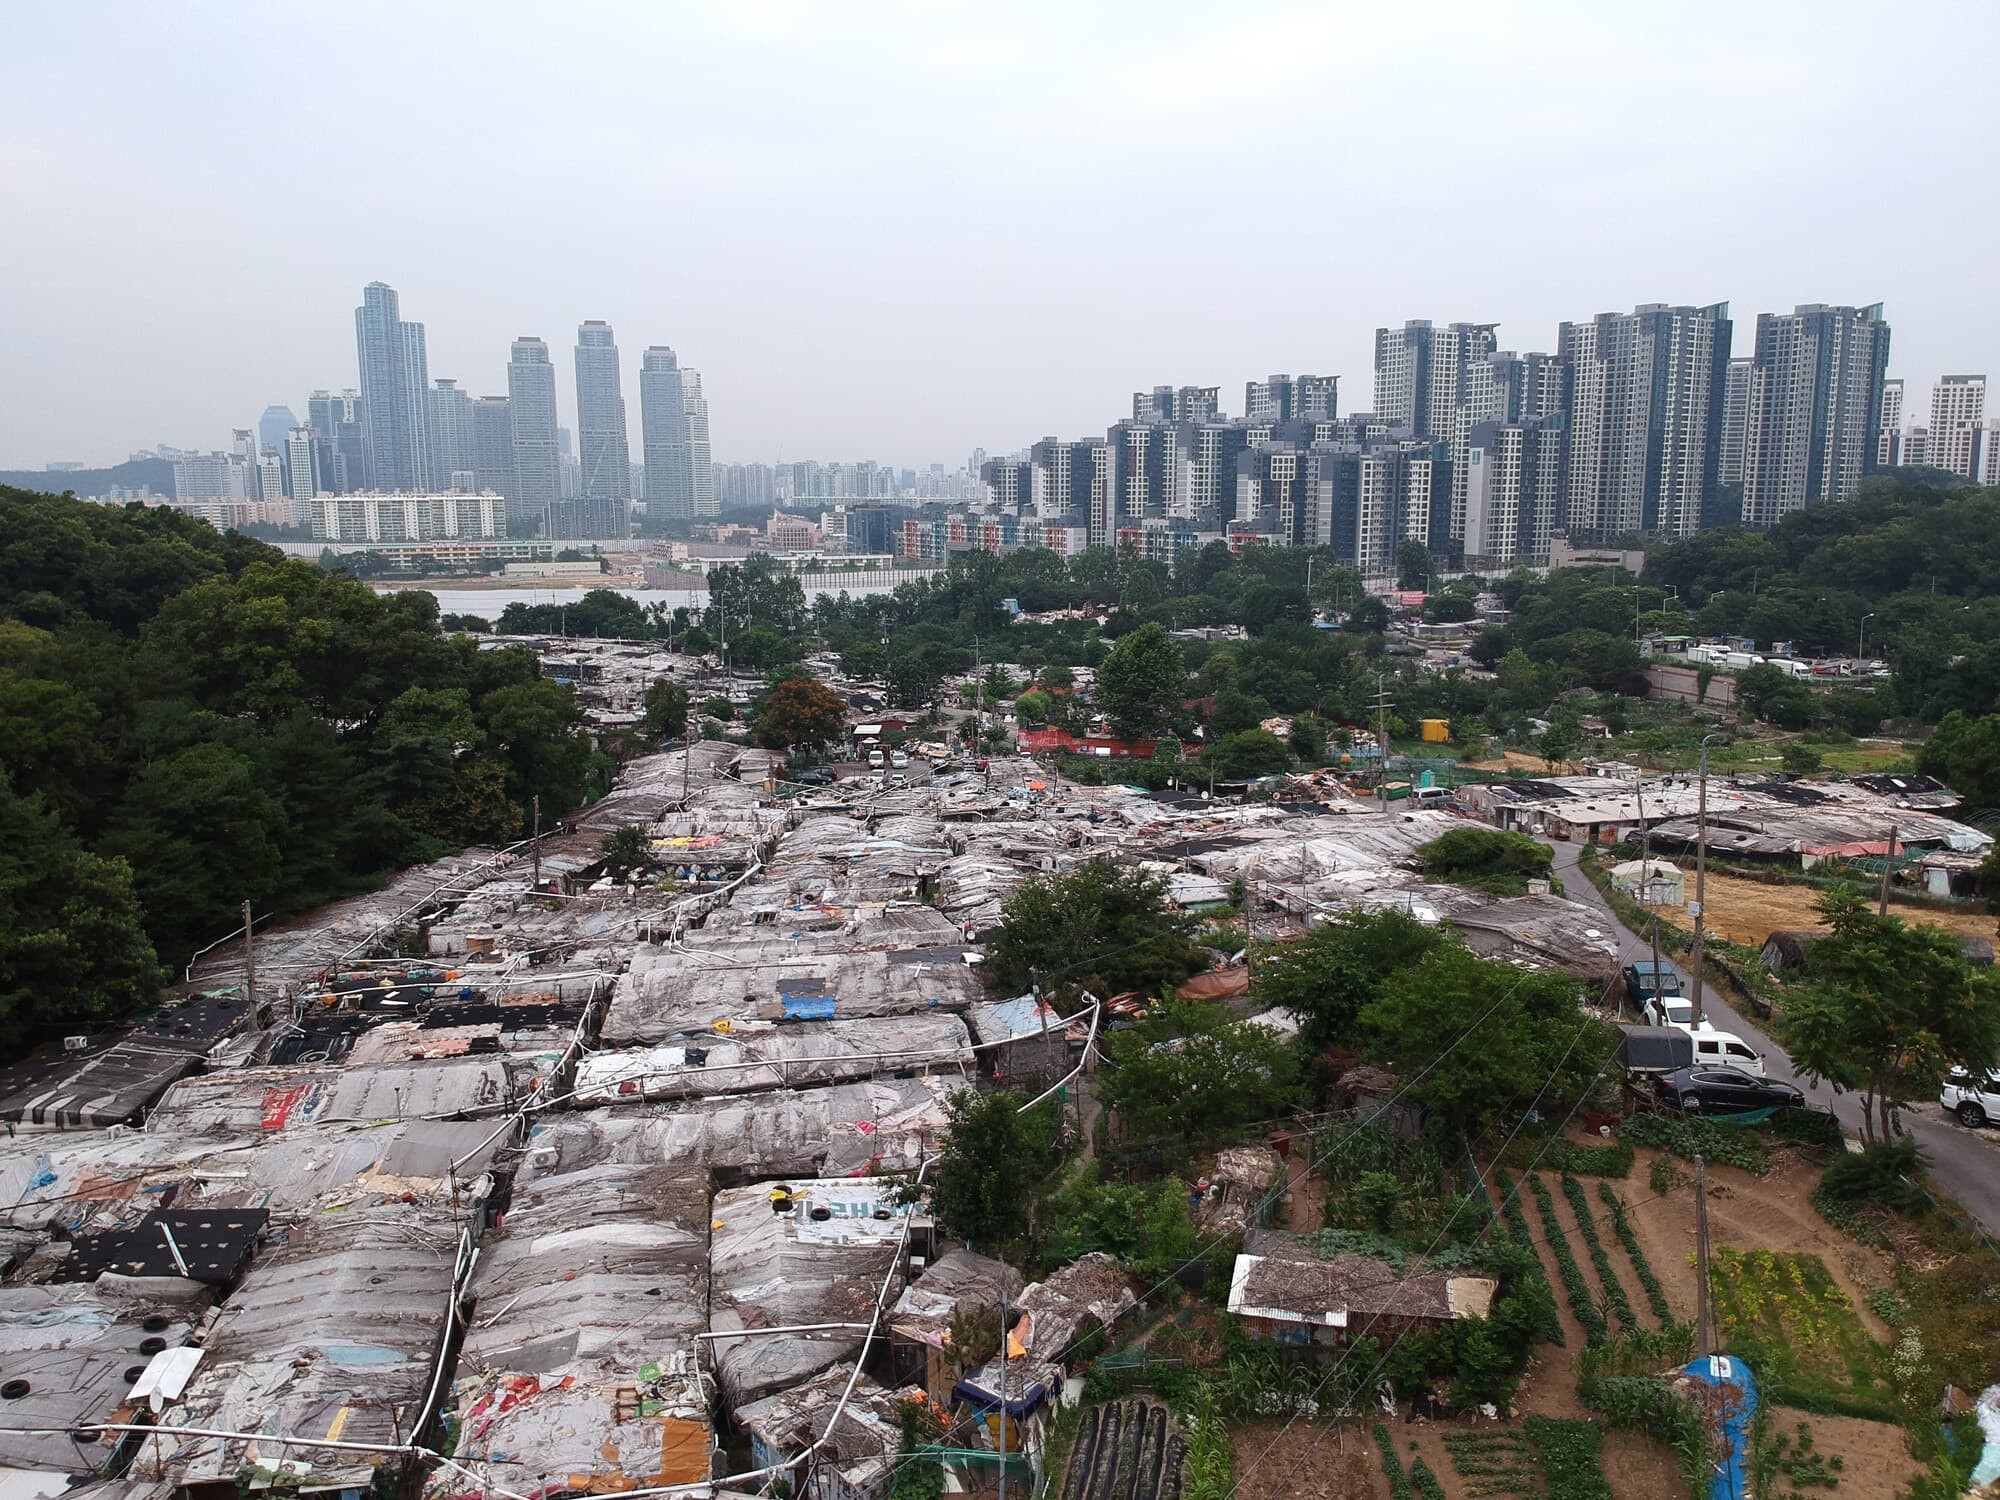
(1382, 738)
(1646, 876)
(249, 961)
(1702, 1345)
(1003, 1393)
(1700, 875)
(536, 879)
(1881, 902)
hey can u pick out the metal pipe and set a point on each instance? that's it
(751, 1333)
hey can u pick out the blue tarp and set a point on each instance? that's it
(808, 1007)
(1731, 1376)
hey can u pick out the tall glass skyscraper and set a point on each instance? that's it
(604, 451)
(531, 395)
(664, 432)
(395, 392)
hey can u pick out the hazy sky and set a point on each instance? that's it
(905, 231)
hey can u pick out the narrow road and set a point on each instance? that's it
(1966, 1163)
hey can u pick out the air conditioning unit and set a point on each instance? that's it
(76, 1044)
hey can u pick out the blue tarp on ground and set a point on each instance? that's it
(809, 1007)
(1731, 1376)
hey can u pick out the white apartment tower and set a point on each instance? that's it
(1889, 435)
(1958, 415)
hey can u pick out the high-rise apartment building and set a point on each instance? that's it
(395, 392)
(1889, 434)
(493, 446)
(1958, 414)
(1402, 373)
(664, 436)
(270, 477)
(302, 479)
(1735, 421)
(1188, 403)
(452, 440)
(343, 451)
(604, 450)
(1142, 467)
(1815, 408)
(1280, 398)
(1514, 488)
(1010, 484)
(531, 397)
(702, 492)
(1065, 474)
(1202, 480)
(1645, 437)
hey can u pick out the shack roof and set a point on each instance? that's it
(763, 1055)
(1285, 1279)
(338, 1327)
(77, 1349)
(1049, 1322)
(958, 1279)
(769, 1270)
(862, 1445)
(263, 1101)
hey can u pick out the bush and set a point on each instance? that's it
(1568, 1451)
(1887, 1174)
(1486, 859)
(1664, 1175)
(1560, 1154)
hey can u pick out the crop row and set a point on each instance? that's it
(1607, 1275)
(1392, 1467)
(1574, 1286)
(1517, 1225)
(1621, 1224)
(1570, 1463)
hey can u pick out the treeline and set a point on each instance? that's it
(189, 720)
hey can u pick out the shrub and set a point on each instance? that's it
(1664, 1175)
(1568, 1452)
(1884, 1174)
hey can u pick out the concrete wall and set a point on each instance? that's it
(1683, 685)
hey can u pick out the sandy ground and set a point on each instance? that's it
(1307, 1460)
(1743, 911)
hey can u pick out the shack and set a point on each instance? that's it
(1286, 1291)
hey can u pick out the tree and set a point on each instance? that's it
(1192, 1073)
(1888, 1010)
(627, 848)
(1560, 741)
(1097, 927)
(1147, 1226)
(864, 658)
(1369, 616)
(466, 624)
(1965, 753)
(1801, 759)
(73, 947)
(1414, 565)
(664, 710)
(1252, 752)
(989, 1165)
(1339, 968)
(800, 714)
(1474, 1042)
(1033, 707)
(718, 707)
(1486, 859)
(1143, 681)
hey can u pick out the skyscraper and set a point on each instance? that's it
(1190, 403)
(1645, 442)
(701, 493)
(343, 454)
(1402, 373)
(606, 454)
(1735, 421)
(1514, 488)
(451, 435)
(274, 428)
(531, 396)
(301, 451)
(1815, 408)
(270, 477)
(493, 445)
(395, 392)
(1280, 398)
(1889, 435)
(1958, 411)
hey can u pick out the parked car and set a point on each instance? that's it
(1725, 1049)
(813, 776)
(1646, 979)
(877, 760)
(1724, 1091)
(1974, 1101)
(898, 759)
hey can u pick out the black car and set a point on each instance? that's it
(1724, 1091)
(812, 776)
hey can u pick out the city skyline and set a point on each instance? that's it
(1732, 173)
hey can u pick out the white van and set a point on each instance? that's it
(876, 759)
(1430, 796)
(1723, 1049)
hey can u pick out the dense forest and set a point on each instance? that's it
(190, 720)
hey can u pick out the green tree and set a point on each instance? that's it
(466, 624)
(993, 1158)
(1033, 708)
(1965, 754)
(627, 848)
(1560, 742)
(663, 710)
(1308, 739)
(1252, 752)
(864, 658)
(800, 714)
(1414, 565)
(73, 946)
(1097, 927)
(1486, 859)
(1888, 1010)
(1188, 1076)
(1474, 1041)
(535, 728)
(1143, 682)
(1340, 967)
(1801, 759)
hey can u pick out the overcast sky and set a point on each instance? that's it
(905, 231)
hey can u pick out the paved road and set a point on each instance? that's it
(1965, 1162)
